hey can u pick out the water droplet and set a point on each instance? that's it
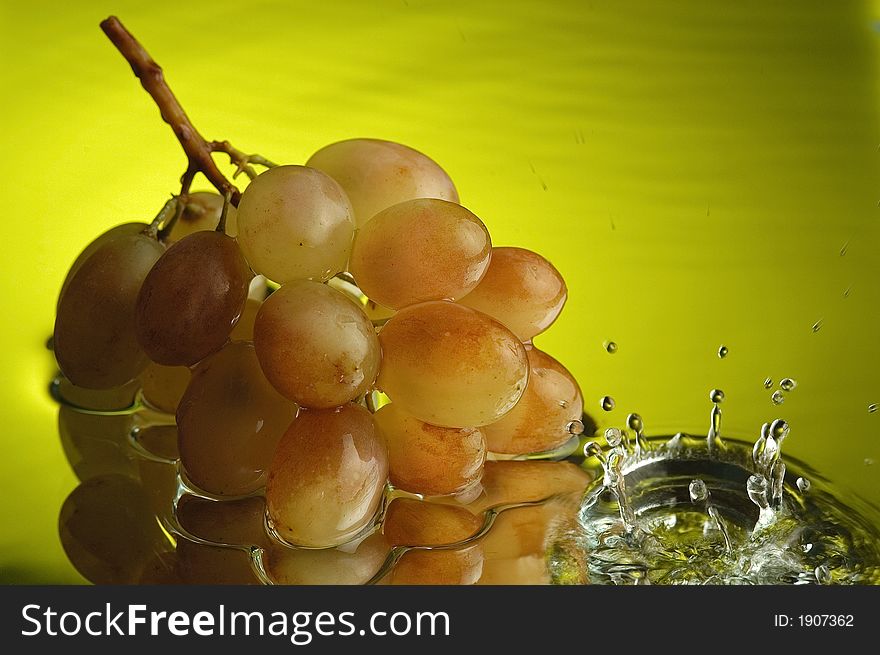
(869, 461)
(807, 547)
(607, 403)
(872, 408)
(576, 427)
(722, 352)
(817, 325)
(611, 347)
(592, 449)
(756, 487)
(787, 384)
(716, 396)
(823, 575)
(768, 383)
(779, 429)
(634, 422)
(614, 437)
(778, 398)
(803, 485)
(698, 491)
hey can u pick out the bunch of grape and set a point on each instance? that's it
(341, 353)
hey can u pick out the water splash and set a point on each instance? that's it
(607, 403)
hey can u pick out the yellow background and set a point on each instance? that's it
(693, 168)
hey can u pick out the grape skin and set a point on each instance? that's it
(202, 212)
(327, 477)
(315, 345)
(522, 290)
(451, 366)
(377, 174)
(295, 223)
(419, 250)
(164, 386)
(95, 332)
(192, 298)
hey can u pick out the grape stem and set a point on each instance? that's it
(198, 150)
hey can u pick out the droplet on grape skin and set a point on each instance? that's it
(522, 290)
(542, 418)
(315, 345)
(377, 174)
(108, 531)
(192, 298)
(164, 386)
(450, 365)
(229, 422)
(295, 223)
(528, 481)
(96, 445)
(95, 332)
(202, 212)
(126, 229)
(420, 250)
(327, 566)
(427, 459)
(327, 478)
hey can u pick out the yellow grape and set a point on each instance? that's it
(419, 250)
(108, 530)
(229, 421)
(377, 174)
(163, 386)
(120, 230)
(540, 420)
(508, 482)
(315, 345)
(327, 478)
(451, 366)
(96, 445)
(521, 289)
(244, 329)
(427, 459)
(95, 332)
(345, 565)
(295, 223)
(202, 212)
(192, 298)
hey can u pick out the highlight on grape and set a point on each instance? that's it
(327, 377)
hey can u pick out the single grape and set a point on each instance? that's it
(126, 229)
(327, 566)
(427, 459)
(418, 250)
(451, 366)
(507, 482)
(315, 345)
(229, 422)
(202, 212)
(244, 328)
(95, 333)
(192, 298)
(295, 223)
(108, 531)
(521, 289)
(377, 174)
(163, 386)
(540, 420)
(96, 445)
(415, 523)
(327, 478)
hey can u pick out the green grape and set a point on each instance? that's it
(540, 421)
(427, 459)
(229, 422)
(295, 223)
(418, 250)
(451, 366)
(327, 566)
(521, 289)
(108, 530)
(244, 328)
(377, 174)
(202, 212)
(315, 345)
(95, 333)
(192, 298)
(327, 478)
